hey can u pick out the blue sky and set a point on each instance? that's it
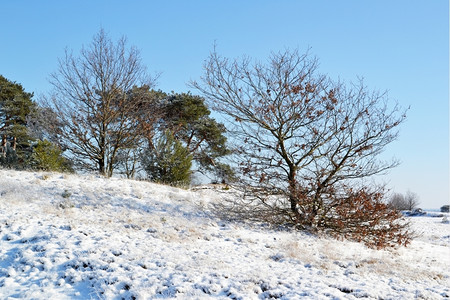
(400, 46)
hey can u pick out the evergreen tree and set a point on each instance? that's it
(15, 107)
(22, 125)
(8, 156)
(188, 117)
(169, 162)
(48, 157)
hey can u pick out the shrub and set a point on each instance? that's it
(48, 157)
(358, 214)
(169, 162)
(362, 216)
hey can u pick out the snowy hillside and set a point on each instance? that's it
(73, 237)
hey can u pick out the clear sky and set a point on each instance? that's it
(401, 46)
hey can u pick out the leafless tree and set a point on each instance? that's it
(301, 134)
(409, 201)
(398, 202)
(96, 113)
(412, 200)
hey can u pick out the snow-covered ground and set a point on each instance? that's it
(87, 237)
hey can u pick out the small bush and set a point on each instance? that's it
(362, 216)
(48, 157)
(169, 163)
(355, 214)
(358, 214)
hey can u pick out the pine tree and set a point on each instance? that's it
(188, 117)
(169, 162)
(15, 107)
(48, 157)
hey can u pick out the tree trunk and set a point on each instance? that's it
(3, 148)
(293, 194)
(101, 166)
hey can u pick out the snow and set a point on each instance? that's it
(88, 237)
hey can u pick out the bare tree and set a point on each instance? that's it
(398, 202)
(300, 134)
(96, 115)
(412, 200)
(409, 201)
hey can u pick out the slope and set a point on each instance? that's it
(88, 237)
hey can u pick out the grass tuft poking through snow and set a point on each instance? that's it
(88, 237)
